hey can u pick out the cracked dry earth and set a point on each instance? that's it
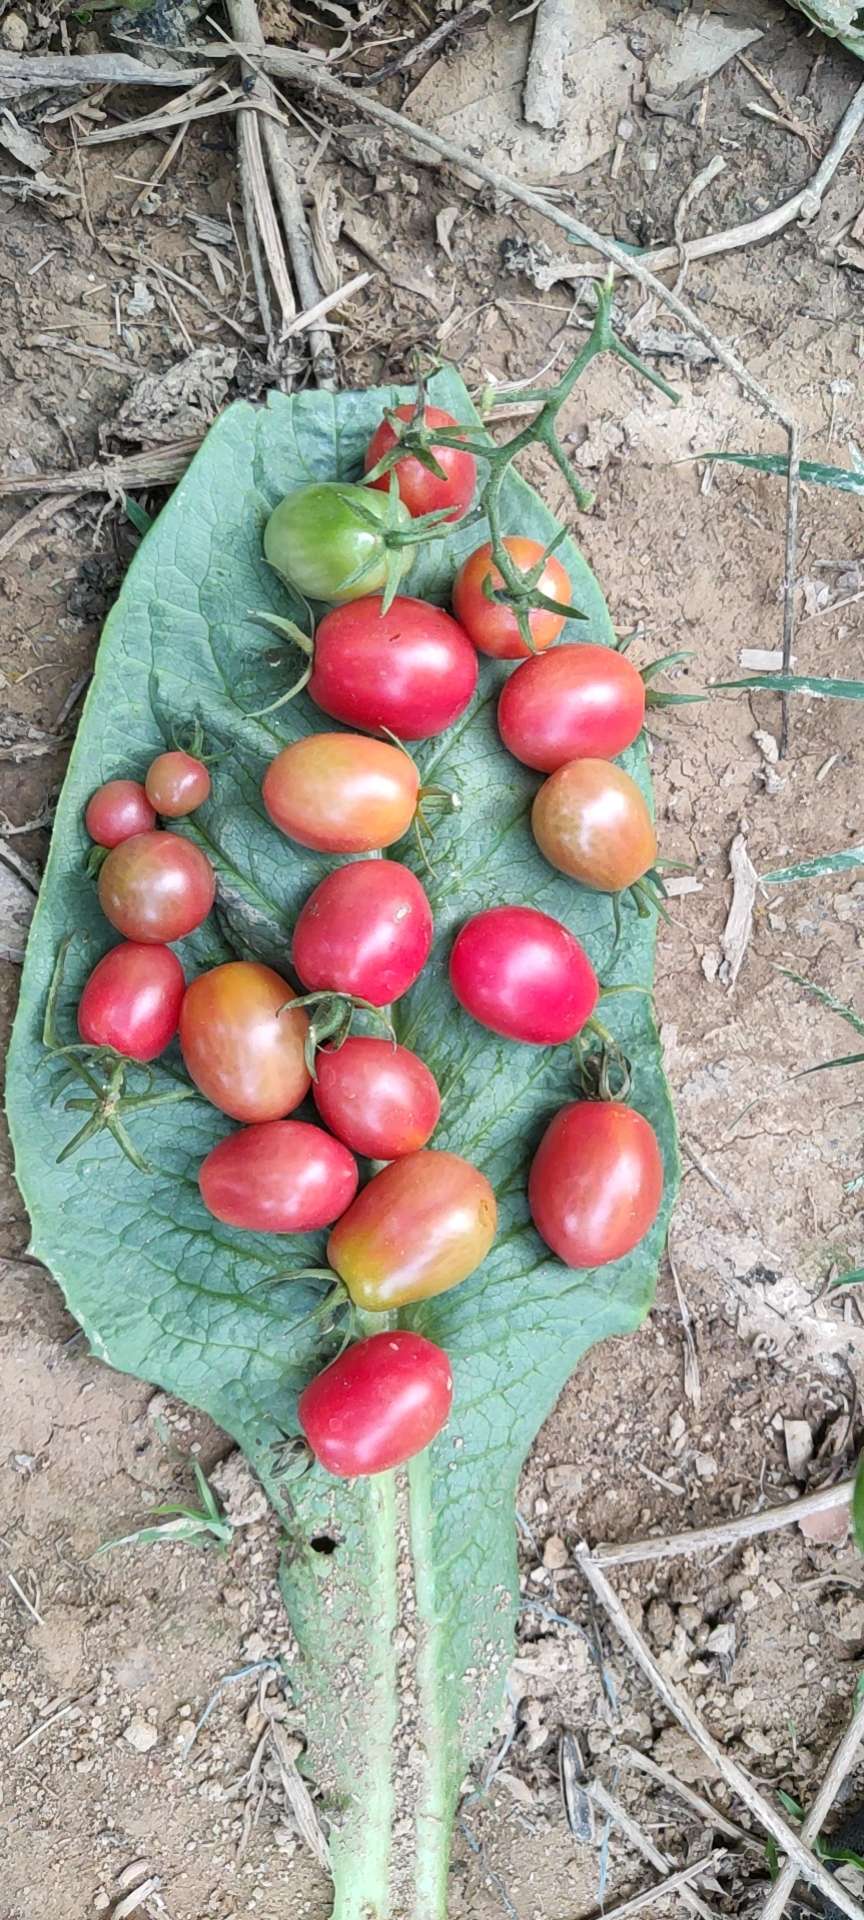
(106, 1663)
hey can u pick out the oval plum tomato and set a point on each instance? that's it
(412, 669)
(491, 625)
(176, 783)
(590, 821)
(365, 930)
(320, 540)
(379, 1098)
(282, 1176)
(242, 1042)
(573, 702)
(341, 792)
(156, 886)
(132, 1000)
(421, 490)
(596, 1182)
(380, 1402)
(116, 811)
(420, 1226)
(523, 974)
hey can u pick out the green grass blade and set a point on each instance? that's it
(813, 472)
(796, 683)
(849, 857)
(827, 999)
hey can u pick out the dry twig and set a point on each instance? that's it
(156, 467)
(645, 1764)
(28, 523)
(620, 1818)
(544, 80)
(674, 1883)
(455, 23)
(843, 1760)
(729, 1533)
(88, 69)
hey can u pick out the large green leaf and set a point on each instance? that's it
(165, 1293)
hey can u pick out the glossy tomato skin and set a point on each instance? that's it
(243, 1053)
(281, 1176)
(491, 625)
(420, 490)
(523, 974)
(379, 1098)
(411, 670)
(590, 821)
(176, 784)
(317, 540)
(573, 703)
(365, 930)
(156, 886)
(419, 1227)
(341, 792)
(132, 1001)
(381, 1402)
(596, 1182)
(116, 811)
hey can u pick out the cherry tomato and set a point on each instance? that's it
(341, 793)
(379, 1403)
(590, 820)
(176, 783)
(132, 1000)
(523, 974)
(365, 930)
(116, 811)
(492, 626)
(156, 886)
(596, 1182)
(380, 1099)
(412, 670)
(417, 1229)
(242, 1043)
(281, 1176)
(419, 489)
(572, 702)
(319, 541)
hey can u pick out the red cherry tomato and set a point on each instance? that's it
(419, 490)
(412, 669)
(380, 1099)
(279, 1177)
(132, 1000)
(492, 626)
(378, 1404)
(523, 974)
(241, 1042)
(596, 1182)
(571, 703)
(116, 811)
(591, 821)
(156, 886)
(366, 930)
(417, 1229)
(341, 792)
(176, 783)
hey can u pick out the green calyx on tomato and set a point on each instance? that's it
(331, 1016)
(337, 541)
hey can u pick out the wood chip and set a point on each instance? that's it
(544, 81)
(735, 938)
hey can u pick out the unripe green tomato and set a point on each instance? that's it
(326, 549)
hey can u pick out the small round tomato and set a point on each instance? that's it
(132, 1000)
(421, 490)
(493, 626)
(411, 670)
(379, 1098)
(320, 540)
(341, 792)
(156, 886)
(381, 1402)
(590, 820)
(176, 783)
(523, 974)
(242, 1042)
(573, 702)
(116, 811)
(596, 1182)
(421, 1226)
(366, 930)
(281, 1176)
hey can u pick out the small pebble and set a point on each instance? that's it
(140, 1734)
(13, 32)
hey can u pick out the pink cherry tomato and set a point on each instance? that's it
(379, 1403)
(156, 886)
(116, 811)
(596, 1182)
(411, 670)
(380, 1099)
(523, 974)
(132, 1000)
(282, 1176)
(573, 703)
(176, 783)
(366, 930)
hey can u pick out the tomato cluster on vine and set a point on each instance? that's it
(255, 1046)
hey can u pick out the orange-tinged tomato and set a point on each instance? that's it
(242, 1043)
(596, 1182)
(492, 626)
(420, 1227)
(341, 792)
(590, 820)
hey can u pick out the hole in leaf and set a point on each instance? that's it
(322, 1543)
